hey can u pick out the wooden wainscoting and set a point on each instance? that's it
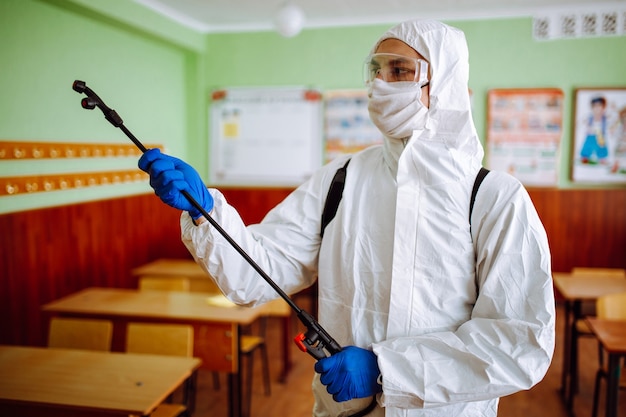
(49, 253)
(584, 227)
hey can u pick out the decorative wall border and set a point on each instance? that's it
(57, 182)
(57, 150)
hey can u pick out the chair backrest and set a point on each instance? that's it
(72, 333)
(160, 339)
(616, 272)
(165, 283)
(612, 306)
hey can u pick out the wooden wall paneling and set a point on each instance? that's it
(584, 227)
(254, 203)
(549, 210)
(52, 252)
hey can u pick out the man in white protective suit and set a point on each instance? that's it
(436, 318)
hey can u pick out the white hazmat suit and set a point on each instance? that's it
(456, 318)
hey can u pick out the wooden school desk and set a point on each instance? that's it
(575, 289)
(612, 336)
(216, 327)
(201, 282)
(50, 382)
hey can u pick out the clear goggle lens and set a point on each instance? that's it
(394, 68)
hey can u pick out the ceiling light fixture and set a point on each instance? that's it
(289, 20)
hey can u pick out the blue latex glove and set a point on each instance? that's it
(349, 374)
(169, 176)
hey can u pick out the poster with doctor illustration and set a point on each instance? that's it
(599, 146)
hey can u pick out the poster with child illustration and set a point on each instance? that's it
(599, 151)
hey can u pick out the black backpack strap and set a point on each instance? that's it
(479, 179)
(335, 192)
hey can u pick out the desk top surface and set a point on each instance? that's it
(611, 333)
(588, 287)
(172, 267)
(160, 305)
(89, 380)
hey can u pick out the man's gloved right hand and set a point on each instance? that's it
(170, 176)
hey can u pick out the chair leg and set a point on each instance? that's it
(266, 370)
(575, 385)
(216, 381)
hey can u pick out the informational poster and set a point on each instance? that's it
(348, 125)
(265, 136)
(524, 133)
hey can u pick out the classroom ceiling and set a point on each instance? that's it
(246, 15)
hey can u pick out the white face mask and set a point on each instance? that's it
(395, 108)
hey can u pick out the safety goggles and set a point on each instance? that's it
(394, 68)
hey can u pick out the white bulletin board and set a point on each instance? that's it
(264, 136)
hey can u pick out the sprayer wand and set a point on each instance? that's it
(315, 340)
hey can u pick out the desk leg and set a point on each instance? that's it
(612, 385)
(567, 342)
(234, 383)
(234, 397)
(189, 392)
(118, 339)
(569, 382)
(573, 359)
(572, 367)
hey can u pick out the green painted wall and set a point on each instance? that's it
(503, 54)
(149, 78)
(158, 75)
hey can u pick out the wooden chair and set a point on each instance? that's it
(171, 340)
(171, 283)
(160, 339)
(165, 283)
(73, 333)
(250, 343)
(612, 307)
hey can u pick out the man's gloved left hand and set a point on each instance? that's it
(170, 176)
(349, 374)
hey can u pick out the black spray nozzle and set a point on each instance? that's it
(79, 86)
(92, 100)
(89, 103)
